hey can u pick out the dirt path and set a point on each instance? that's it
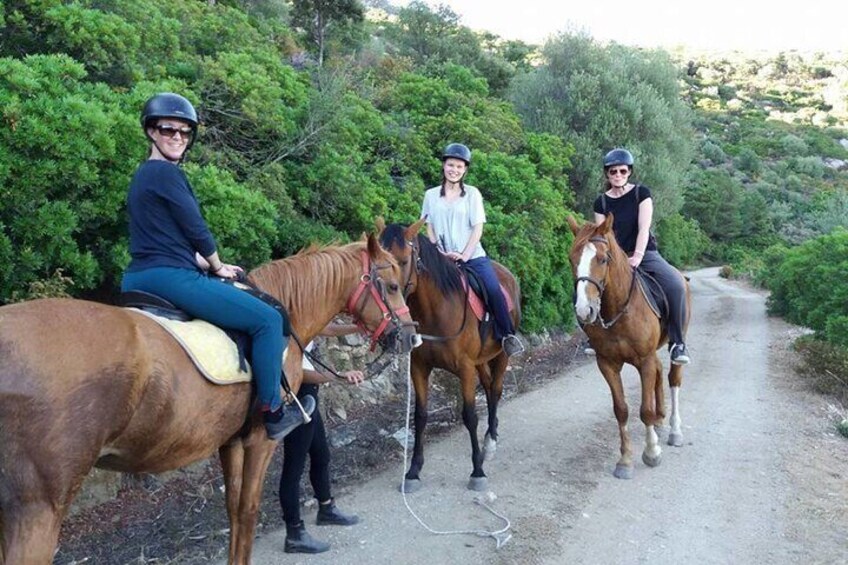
(762, 477)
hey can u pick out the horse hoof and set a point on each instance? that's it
(478, 484)
(490, 446)
(410, 485)
(675, 439)
(651, 461)
(623, 472)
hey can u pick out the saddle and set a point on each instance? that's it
(221, 355)
(480, 301)
(653, 293)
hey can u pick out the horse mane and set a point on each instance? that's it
(442, 271)
(303, 281)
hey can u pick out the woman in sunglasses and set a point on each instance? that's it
(173, 254)
(633, 209)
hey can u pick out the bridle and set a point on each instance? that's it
(416, 266)
(371, 281)
(600, 284)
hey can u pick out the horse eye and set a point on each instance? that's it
(404, 262)
(603, 260)
(394, 288)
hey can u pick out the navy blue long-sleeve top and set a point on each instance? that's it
(166, 226)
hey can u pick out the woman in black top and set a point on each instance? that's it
(633, 209)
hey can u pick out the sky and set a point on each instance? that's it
(715, 25)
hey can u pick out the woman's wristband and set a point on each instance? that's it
(215, 269)
(639, 253)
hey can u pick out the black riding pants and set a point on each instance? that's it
(674, 286)
(307, 439)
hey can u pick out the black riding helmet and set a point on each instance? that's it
(457, 151)
(169, 105)
(618, 156)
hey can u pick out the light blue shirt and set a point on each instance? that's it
(453, 222)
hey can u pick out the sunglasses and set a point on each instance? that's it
(613, 172)
(170, 131)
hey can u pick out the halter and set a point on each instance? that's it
(601, 285)
(371, 280)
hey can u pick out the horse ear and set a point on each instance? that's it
(606, 226)
(413, 230)
(380, 224)
(374, 248)
(572, 223)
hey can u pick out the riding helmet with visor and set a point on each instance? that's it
(618, 156)
(169, 105)
(457, 151)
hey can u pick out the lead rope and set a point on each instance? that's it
(500, 536)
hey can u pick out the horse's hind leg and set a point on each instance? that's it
(421, 382)
(675, 379)
(232, 464)
(612, 373)
(30, 534)
(491, 375)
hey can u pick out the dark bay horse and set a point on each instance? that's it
(438, 303)
(622, 328)
(84, 384)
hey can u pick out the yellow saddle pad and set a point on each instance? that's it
(213, 352)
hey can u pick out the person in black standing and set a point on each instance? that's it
(311, 439)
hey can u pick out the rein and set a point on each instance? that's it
(601, 286)
(371, 281)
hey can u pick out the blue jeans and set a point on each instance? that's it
(228, 307)
(483, 268)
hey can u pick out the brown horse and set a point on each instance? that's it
(87, 385)
(438, 303)
(622, 328)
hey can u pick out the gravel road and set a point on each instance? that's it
(762, 476)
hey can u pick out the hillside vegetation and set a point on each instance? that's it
(317, 118)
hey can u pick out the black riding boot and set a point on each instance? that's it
(329, 515)
(298, 540)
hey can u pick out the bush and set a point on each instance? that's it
(825, 365)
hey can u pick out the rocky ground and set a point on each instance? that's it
(182, 519)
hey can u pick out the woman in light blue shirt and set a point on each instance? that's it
(455, 216)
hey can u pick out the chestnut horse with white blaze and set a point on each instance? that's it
(85, 385)
(623, 328)
(452, 341)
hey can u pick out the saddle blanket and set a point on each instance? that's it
(214, 354)
(476, 302)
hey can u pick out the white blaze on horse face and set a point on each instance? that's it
(586, 308)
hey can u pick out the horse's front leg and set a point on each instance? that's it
(30, 533)
(491, 375)
(232, 464)
(612, 374)
(258, 450)
(675, 379)
(651, 399)
(468, 378)
(420, 373)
